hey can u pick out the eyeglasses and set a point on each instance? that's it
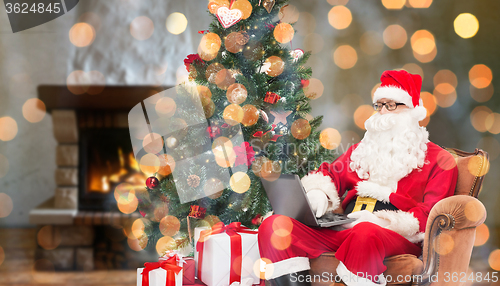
(389, 105)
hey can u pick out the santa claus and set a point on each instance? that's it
(393, 178)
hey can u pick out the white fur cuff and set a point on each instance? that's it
(374, 190)
(323, 183)
(350, 279)
(287, 266)
(394, 93)
(404, 223)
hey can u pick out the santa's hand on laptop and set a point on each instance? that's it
(365, 216)
(319, 201)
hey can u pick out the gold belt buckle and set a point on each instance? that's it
(363, 203)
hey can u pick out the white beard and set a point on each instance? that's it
(393, 146)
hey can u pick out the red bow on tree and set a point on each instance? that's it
(240, 154)
(191, 59)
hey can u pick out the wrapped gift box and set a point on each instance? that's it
(188, 269)
(158, 277)
(216, 259)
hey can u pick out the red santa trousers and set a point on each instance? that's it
(361, 249)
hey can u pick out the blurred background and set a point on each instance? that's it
(452, 44)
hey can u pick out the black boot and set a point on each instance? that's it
(293, 279)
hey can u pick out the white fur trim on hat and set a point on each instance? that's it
(395, 93)
(324, 183)
(404, 223)
(287, 266)
(419, 112)
(351, 279)
(374, 190)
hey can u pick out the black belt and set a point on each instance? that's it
(363, 203)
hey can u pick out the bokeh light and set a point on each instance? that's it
(414, 69)
(176, 23)
(395, 37)
(127, 202)
(482, 235)
(149, 164)
(445, 81)
(165, 107)
(445, 161)
(478, 166)
(282, 229)
(371, 43)
(233, 114)
(34, 110)
(340, 17)
(167, 164)
(345, 57)
(494, 259)
(423, 42)
(361, 114)
(474, 210)
(445, 99)
(8, 128)
(478, 118)
(81, 34)
(330, 138)
(170, 225)
(240, 182)
(393, 4)
(283, 33)
(466, 25)
(165, 244)
(138, 244)
(6, 205)
(301, 129)
(289, 14)
(79, 82)
(420, 3)
(306, 24)
(315, 89)
(482, 94)
(270, 170)
(138, 228)
(430, 102)
(142, 28)
(4, 166)
(444, 243)
(425, 58)
(49, 237)
(492, 123)
(480, 76)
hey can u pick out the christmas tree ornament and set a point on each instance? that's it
(192, 59)
(228, 17)
(268, 4)
(209, 46)
(212, 71)
(213, 5)
(233, 114)
(296, 54)
(240, 182)
(172, 142)
(224, 78)
(257, 219)
(213, 131)
(271, 97)
(242, 38)
(270, 171)
(169, 225)
(152, 182)
(301, 129)
(193, 181)
(204, 92)
(244, 6)
(275, 66)
(245, 154)
(264, 116)
(167, 164)
(280, 117)
(236, 93)
(304, 83)
(197, 212)
(250, 115)
(231, 43)
(283, 33)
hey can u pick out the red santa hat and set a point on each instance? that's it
(404, 87)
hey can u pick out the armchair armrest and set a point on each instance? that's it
(449, 238)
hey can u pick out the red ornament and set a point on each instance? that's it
(257, 219)
(213, 131)
(260, 134)
(191, 59)
(271, 97)
(203, 31)
(240, 151)
(304, 83)
(142, 213)
(197, 212)
(152, 182)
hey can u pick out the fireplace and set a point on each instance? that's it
(82, 227)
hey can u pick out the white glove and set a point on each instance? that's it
(319, 201)
(365, 216)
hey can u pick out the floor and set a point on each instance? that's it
(16, 266)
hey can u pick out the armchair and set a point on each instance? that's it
(449, 234)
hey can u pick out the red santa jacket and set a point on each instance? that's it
(416, 193)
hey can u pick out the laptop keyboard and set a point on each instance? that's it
(329, 217)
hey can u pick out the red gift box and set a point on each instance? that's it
(189, 272)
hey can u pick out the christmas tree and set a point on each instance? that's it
(250, 88)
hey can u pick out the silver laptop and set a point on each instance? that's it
(288, 197)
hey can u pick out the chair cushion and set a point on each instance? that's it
(399, 267)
